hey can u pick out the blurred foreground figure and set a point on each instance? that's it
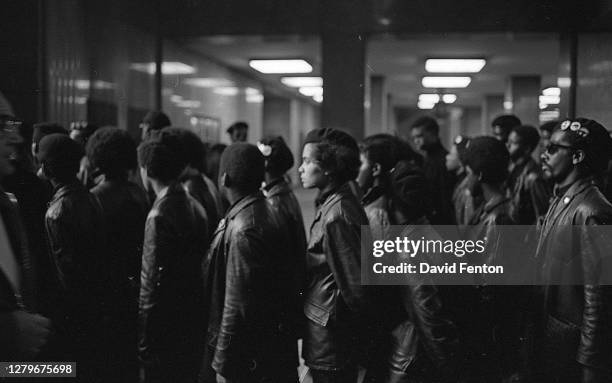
(335, 300)
(112, 154)
(77, 243)
(576, 326)
(250, 292)
(171, 307)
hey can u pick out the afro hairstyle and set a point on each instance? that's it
(112, 151)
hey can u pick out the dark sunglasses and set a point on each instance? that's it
(554, 148)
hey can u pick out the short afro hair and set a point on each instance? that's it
(488, 157)
(237, 125)
(60, 156)
(279, 158)
(244, 165)
(189, 146)
(338, 153)
(160, 161)
(383, 149)
(528, 135)
(157, 120)
(506, 122)
(429, 124)
(112, 151)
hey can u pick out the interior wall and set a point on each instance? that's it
(594, 90)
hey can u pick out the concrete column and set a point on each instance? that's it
(522, 98)
(378, 106)
(343, 81)
(492, 106)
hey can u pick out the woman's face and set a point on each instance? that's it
(452, 159)
(311, 173)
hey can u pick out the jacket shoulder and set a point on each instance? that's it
(593, 207)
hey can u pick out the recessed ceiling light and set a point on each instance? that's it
(298, 82)
(318, 98)
(446, 81)
(552, 91)
(425, 105)
(550, 100)
(429, 98)
(168, 67)
(449, 98)
(254, 98)
(281, 66)
(207, 82)
(454, 65)
(311, 90)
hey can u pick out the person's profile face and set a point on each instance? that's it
(500, 133)
(452, 159)
(557, 158)
(514, 146)
(311, 173)
(239, 135)
(6, 153)
(365, 178)
(418, 138)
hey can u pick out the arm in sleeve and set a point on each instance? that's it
(62, 249)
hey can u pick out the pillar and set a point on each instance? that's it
(492, 106)
(522, 98)
(377, 119)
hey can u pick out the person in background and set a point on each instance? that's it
(425, 131)
(527, 189)
(546, 130)
(171, 310)
(278, 193)
(249, 294)
(153, 122)
(41, 130)
(464, 199)
(574, 258)
(238, 131)
(191, 148)
(81, 131)
(335, 300)
(112, 154)
(77, 243)
(32, 194)
(23, 335)
(503, 124)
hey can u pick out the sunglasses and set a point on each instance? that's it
(554, 148)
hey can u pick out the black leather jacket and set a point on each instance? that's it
(375, 206)
(198, 188)
(124, 210)
(334, 297)
(171, 310)
(284, 203)
(529, 193)
(249, 293)
(577, 310)
(77, 244)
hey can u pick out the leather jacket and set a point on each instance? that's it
(577, 309)
(77, 243)
(334, 297)
(375, 205)
(284, 203)
(171, 309)
(124, 210)
(249, 290)
(529, 193)
(198, 189)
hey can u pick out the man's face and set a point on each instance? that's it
(515, 147)
(7, 151)
(418, 138)
(311, 173)
(500, 133)
(145, 127)
(544, 139)
(238, 135)
(365, 178)
(557, 159)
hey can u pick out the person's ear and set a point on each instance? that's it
(376, 169)
(225, 180)
(578, 157)
(44, 171)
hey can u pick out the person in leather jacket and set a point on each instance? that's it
(576, 343)
(171, 309)
(248, 282)
(77, 245)
(529, 192)
(334, 297)
(111, 153)
(283, 202)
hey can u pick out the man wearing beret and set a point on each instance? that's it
(76, 240)
(249, 292)
(574, 258)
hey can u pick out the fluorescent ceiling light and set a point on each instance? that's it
(564, 82)
(550, 100)
(297, 82)
(318, 98)
(227, 91)
(189, 104)
(176, 98)
(425, 105)
(449, 98)
(168, 67)
(454, 65)
(281, 66)
(543, 105)
(81, 84)
(251, 91)
(254, 98)
(207, 82)
(434, 98)
(311, 90)
(446, 82)
(552, 91)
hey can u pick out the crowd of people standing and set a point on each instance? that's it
(174, 261)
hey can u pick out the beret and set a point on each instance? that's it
(331, 136)
(276, 151)
(243, 163)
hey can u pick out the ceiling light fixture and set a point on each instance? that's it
(454, 65)
(227, 91)
(318, 98)
(550, 100)
(281, 66)
(207, 82)
(433, 97)
(446, 81)
(168, 67)
(425, 105)
(552, 91)
(297, 82)
(311, 90)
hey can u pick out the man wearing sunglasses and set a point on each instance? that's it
(574, 258)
